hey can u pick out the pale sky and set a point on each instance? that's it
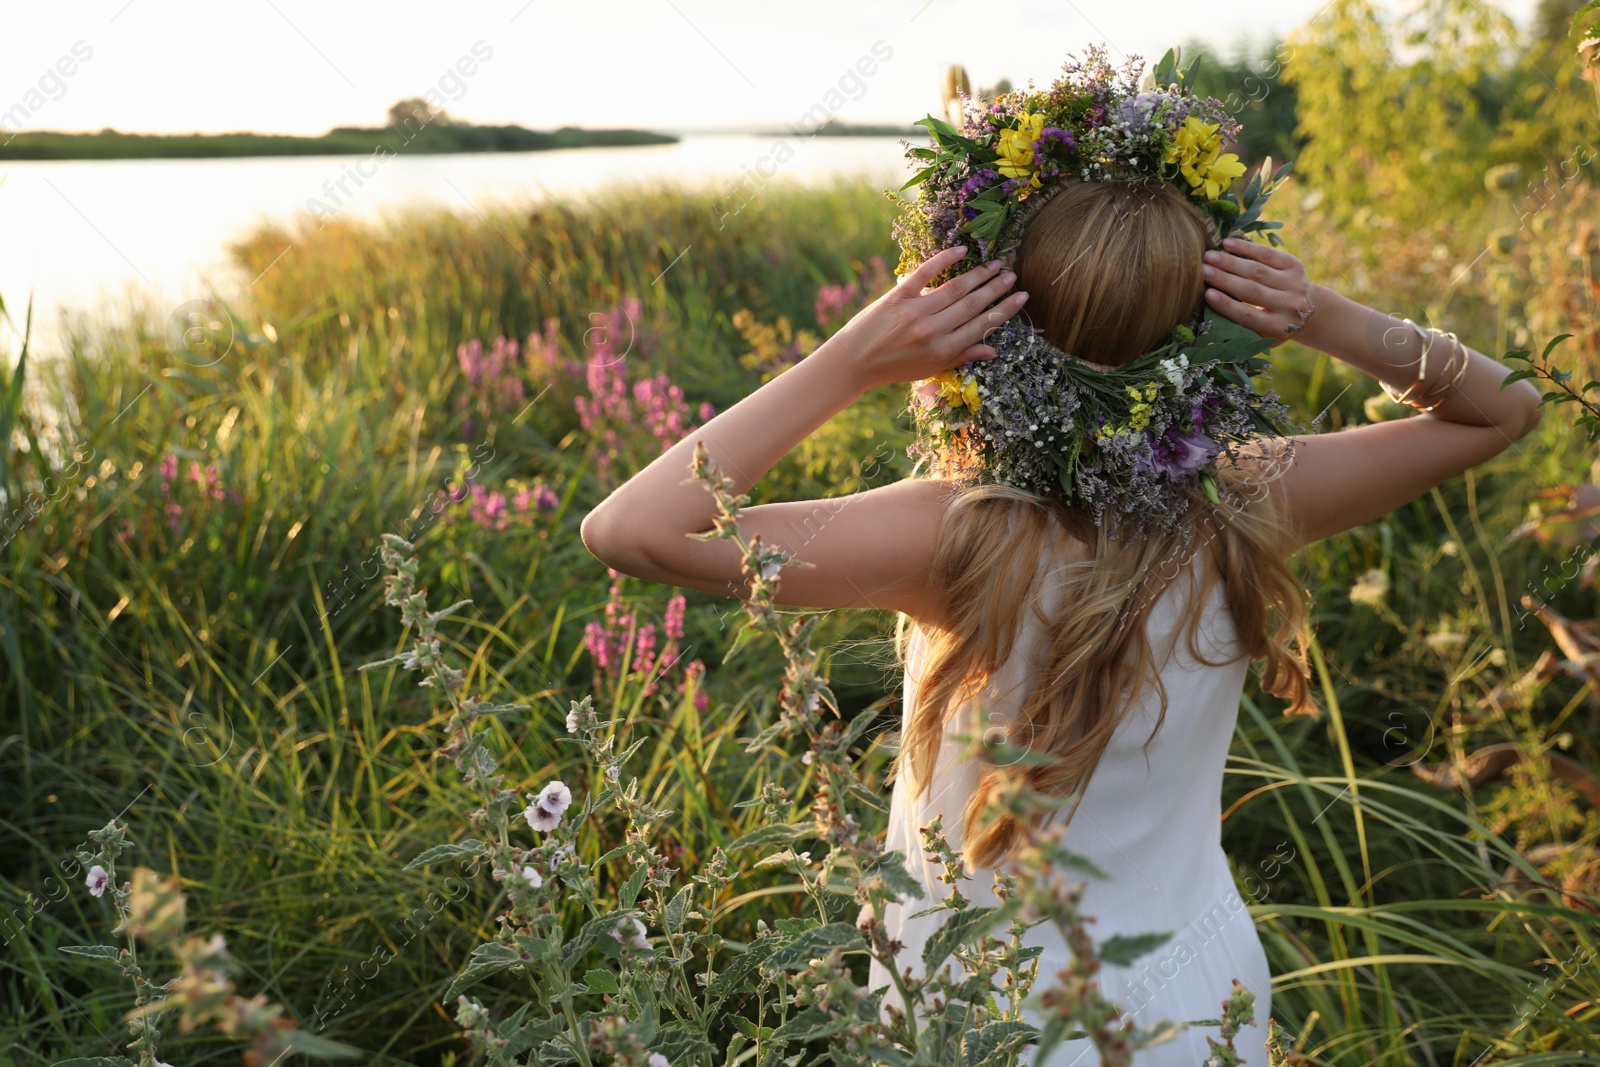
(302, 66)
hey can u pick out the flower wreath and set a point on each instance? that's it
(1131, 440)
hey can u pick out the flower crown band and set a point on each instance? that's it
(1131, 441)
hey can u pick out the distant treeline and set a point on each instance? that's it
(834, 128)
(342, 140)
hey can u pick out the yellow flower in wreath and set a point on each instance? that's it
(1197, 150)
(1016, 149)
(956, 393)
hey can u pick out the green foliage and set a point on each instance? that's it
(1588, 417)
(1379, 128)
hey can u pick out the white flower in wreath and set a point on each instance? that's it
(1174, 368)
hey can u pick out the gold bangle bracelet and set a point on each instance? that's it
(1421, 363)
(1454, 370)
(1465, 358)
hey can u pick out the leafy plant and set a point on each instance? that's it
(648, 978)
(1588, 419)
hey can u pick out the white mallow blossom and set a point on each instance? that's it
(1174, 368)
(632, 931)
(544, 814)
(98, 880)
(532, 875)
(540, 818)
(656, 1059)
(555, 797)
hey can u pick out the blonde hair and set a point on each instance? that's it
(1110, 269)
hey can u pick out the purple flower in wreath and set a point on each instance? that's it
(1203, 412)
(1054, 135)
(981, 179)
(1175, 455)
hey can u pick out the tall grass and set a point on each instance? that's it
(195, 670)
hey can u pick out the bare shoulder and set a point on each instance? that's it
(872, 549)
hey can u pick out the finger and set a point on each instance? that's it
(973, 333)
(961, 285)
(1262, 322)
(930, 268)
(1244, 289)
(1273, 257)
(1249, 268)
(966, 309)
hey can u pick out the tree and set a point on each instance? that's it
(1552, 20)
(414, 112)
(1400, 114)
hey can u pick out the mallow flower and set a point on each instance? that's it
(555, 797)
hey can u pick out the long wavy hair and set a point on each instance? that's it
(1110, 269)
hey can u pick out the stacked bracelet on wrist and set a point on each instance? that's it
(1435, 394)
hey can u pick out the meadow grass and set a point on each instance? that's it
(183, 651)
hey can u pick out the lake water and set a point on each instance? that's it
(91, 235)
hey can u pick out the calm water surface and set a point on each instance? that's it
(97, 236)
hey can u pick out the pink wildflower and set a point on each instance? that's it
(674, 617)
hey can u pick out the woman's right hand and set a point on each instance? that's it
(1260, 287)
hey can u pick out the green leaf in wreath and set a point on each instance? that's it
(1166, 71)
(1225, 341)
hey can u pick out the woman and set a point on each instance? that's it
(1124, 659)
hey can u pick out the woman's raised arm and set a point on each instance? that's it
(868, 549)
(1343, 479)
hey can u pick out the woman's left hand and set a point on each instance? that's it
(1260, 287)
(911, 332)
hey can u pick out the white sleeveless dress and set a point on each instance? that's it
(1153, 824)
